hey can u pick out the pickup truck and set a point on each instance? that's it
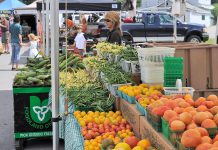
(158, 27)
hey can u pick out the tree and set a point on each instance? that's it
(215, 12)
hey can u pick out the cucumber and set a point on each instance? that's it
(34, 79)
(63, 64)
(42, 77)
(61, 58)
(41, 64)
(80, 66)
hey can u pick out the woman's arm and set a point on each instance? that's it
(1, 25)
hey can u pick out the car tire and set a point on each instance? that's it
(194, 39)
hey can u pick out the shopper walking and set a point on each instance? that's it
(16, 41)
(5, 33)
(112, 20)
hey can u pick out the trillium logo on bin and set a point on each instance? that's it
(38, 115)
(40, 111)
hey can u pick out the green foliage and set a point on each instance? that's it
(214, 1)
(215, 11)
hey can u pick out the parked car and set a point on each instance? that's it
(158, 27)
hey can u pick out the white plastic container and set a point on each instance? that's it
(152, 75)
(151, 63)
(154, 56)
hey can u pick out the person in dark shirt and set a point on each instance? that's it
(16, 41)
(112, 20)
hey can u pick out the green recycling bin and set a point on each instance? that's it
(32, 117)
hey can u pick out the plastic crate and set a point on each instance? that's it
(175, 136)
(165, 129)
(141, 109)
(131, 99)
(171, 81)
(179, 146)
(173, 68)
(119, 93)
(212, 132)
(114, 87)
(173, 65)
(173, 60)
(175, 91)
(169, 134)
(125, 96)
(154, 120)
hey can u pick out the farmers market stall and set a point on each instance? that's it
(104, 100)
(103, 106)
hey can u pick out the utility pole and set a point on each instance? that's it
(55, 71)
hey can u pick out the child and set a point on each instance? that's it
(80, 41)
(34, 53)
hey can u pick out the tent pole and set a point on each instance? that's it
(43, 25)
(47, 52)
(55, 70)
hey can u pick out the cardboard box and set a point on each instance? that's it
(157, 139)
(213, 64)
(131, 114)
(205, 93)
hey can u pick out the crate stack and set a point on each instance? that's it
(173, 70)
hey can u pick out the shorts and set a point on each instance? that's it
(15, 57)
(5, 37)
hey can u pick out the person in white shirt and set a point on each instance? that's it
(33, 45)
(80, 41)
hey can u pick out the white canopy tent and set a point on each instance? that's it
(28, 9)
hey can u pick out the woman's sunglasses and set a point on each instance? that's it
(107, 20)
